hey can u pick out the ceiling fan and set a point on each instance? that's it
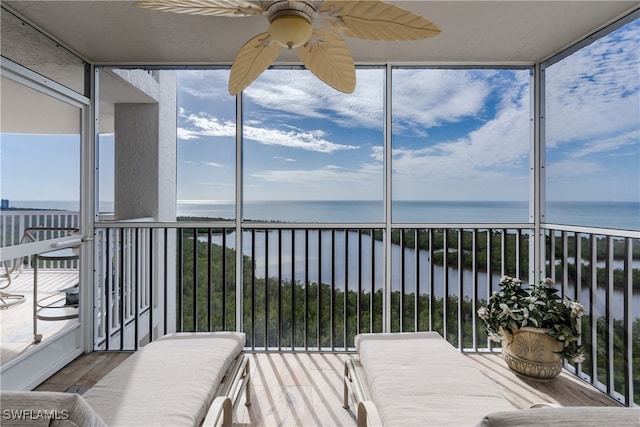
(292, 24)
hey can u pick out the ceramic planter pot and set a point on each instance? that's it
(531, 352)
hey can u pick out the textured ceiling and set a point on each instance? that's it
(117, 32)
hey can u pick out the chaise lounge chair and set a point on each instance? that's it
(419, 379)
(184, 379)
(416, 379)
(11, 268)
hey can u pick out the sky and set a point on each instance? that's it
(455, 135)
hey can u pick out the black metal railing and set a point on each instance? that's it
(313, 288)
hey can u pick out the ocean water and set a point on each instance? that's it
(616, 215)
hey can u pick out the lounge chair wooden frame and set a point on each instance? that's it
(356, 390)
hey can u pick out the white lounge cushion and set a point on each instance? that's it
(171, 381)
(584, 416)
(419, 379)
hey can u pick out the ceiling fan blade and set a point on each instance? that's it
(252, 59)
(205, 7)
(328, 57)
(376, 20)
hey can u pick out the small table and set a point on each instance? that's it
(53, 307)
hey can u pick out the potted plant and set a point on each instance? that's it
(537, 326)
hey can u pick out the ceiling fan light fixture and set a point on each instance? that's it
(290, 30)
(322, 51)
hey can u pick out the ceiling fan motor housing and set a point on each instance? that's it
(290, 21)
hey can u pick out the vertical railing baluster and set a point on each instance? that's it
(578, 286)
(136, 285)
(373, 279)
(552, 255)
(431, 279)
(503, 252)
(319, 296)
(345, 307)
(445, 271)
(565, 263)
(402, 281)
(489, 267)
(152, 281)
(266, 289)
(194, 275)
(578, 266)
(359, 284)
(306, 288)
(609, 316)
(416, 303)
(253, 290)
(518, 270)
(223, 281)
(332, 309)
(165, 281)
(474, 289)
(210, 326)
(108, 300)
(593, 292)
(628, 323)
(293, 287)
(280, 330)
(121, 289)
(460, 289)
(181, 273)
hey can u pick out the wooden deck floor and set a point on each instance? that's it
(300, 389)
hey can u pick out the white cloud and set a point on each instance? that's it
(205, 84)
(608, 145)
(426, 98)
(214, 164)
(204, 125)
(285, 159)
(313, 140)
(298, 94)
(466, 167)
(307, 140)
(594, 94)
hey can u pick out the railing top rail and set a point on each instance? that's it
(306, 225)
(14, 212)
(345, 226)
(592, 230)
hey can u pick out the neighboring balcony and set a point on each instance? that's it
(313, 287)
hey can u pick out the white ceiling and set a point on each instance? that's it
(496, 32)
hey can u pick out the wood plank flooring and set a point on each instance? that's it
(301, 389)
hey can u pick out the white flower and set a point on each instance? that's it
(483, 313)
(577, 359)
(577, 309)
(495, 337)
(548, 282)
(506, 310)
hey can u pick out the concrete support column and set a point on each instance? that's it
(145, 155)
(136, 161)
(145, 177)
